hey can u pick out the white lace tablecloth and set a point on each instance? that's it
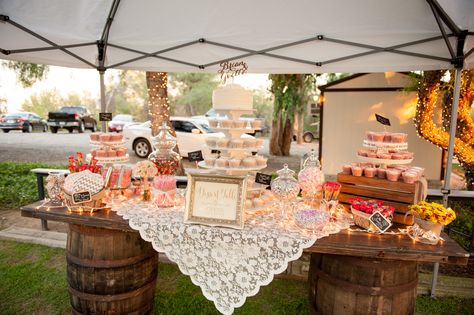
(229, 265)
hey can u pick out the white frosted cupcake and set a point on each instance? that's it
(222, 142)
(249, 162)
(258, 143)
(236, 143)
(222, 162)
(250, 143)
(234, 163)
(261, 160)
(227, 123)
(240, 124)
(210, 161)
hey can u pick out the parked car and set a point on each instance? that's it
(213, 114)
(70, 118)
(120, 121)
(26, 122)
(191, 134)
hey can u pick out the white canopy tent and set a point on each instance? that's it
(271, 36)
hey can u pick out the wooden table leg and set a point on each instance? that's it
(357, 285)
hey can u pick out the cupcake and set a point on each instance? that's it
(258, 143)
(105, 137)
(101, 153)
(116, 137)
(398, 156)
(121, 151)
(378, 136)
(95, 136)
(347, 169)
(357, 171)
(239, 124)
(369, 135)
(261, 160)
(362, 152)
(213, 123)
(211, 142)
(381, 173)
(250, 143)
(387, 137)
(236, 143)
(227, 123)
(210, 161)
(111, 153)
(385, 156)
(399, 137)
(222, 142)
(369, 172)
(393, 175)
(249, 162)
(371, 154)
(234, 163)
(409, 177)
(222, 162)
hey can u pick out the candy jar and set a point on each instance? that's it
(164, 158)
(285, 187)
(310, 180)
(54, 186)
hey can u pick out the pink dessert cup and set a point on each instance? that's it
(378, 136)
(357, 171)
(393, 175)
(409, 177)
(381, 173)
(387, 137)
(369, 172)
(347, 169)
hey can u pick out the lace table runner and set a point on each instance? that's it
(229, 265)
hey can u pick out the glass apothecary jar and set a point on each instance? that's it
(311, 180)
(165, 159)
(285, 188)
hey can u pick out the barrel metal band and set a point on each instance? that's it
(142, 310)
(116, 263)
(115, 297)
(367, 290)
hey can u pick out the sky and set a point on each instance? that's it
(68, 80)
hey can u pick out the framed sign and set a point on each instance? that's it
(216, 200)
(383, 120)
(380, 222)
(105, 116)
(80, 197)
(195, 156)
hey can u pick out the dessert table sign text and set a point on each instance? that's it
(216, 200)
(231, 69)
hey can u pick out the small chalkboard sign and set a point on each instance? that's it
(263, 179)
(80, 197)
(383, 120)
(195, 156)
(105, 116)
(380, 222)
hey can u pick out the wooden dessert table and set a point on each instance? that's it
(350, 272)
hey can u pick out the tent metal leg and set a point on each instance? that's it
(449, 161)
(103, 105)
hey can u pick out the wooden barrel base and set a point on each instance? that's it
(110, 271)
(349, 285)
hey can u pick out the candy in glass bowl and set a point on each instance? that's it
(310, 219)
(310, 180)
(285, 188)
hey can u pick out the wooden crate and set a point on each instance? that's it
(397, 194)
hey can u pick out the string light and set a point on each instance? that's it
(158, 102)
(426, 127)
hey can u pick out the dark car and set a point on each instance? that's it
(70, 118)
(26, 122)
(120, 121)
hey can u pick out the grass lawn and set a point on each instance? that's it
(33, 281)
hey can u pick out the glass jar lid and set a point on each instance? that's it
(164, 140)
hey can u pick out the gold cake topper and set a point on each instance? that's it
(231, 69)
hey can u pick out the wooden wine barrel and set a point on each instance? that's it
(346, 285)
(110, 271)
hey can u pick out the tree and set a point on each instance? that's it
(194, 92)
(431, 89)
(291, 92)
(42, 103)
(27, 73)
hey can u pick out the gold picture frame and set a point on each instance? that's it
(216, 200)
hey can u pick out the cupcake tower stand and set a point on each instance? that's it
(258, 198)
(384, 147)
(109, 145)
(232, 133)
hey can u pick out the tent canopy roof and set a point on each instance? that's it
(271, 36)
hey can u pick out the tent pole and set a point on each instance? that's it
(447, 177)
(103, 106)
